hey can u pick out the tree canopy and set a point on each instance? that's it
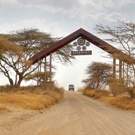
(123, 36)
(17, 48)
(8, 46)
(98, 75)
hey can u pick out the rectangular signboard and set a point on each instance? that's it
(81, 52)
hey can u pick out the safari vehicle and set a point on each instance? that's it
(71, 87)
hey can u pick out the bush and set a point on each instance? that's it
(125, 103)
(122, 102)
(116, 86)
(97, 94)
(31, 98)
(131, 92)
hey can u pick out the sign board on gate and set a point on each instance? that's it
(81, 52)
(81, 47)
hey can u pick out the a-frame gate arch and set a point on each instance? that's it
(115, 53)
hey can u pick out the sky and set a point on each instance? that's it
(60, 18)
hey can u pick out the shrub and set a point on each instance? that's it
(131, 92)
(28, 98)
(116, 86)
(122, 102)
(97, 94)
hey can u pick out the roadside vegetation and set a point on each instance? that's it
(102, 83)
(123, 102)
(34, 98)
(101, 86)
(16, 49)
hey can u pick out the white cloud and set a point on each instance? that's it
(8, 2)
(57, 4)
(77, 10)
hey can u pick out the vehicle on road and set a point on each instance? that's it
(71, 87)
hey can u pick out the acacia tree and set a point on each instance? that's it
(39, 77)
(6, 45)
(123, 35)
(14, 66)
(98, 75)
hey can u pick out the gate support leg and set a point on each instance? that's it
(50, 68)
(127, 75)
(114, 68)
(45, 70)
(123, 68)
(120, 69)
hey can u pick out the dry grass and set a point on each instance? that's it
(36, 100)
(97, 94)
(122, 102)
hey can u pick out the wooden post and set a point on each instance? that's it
(120, 69)
(39, 70)
(45, 70)
(123, 70)
(114, 68)
(50, 68)
(127, 75)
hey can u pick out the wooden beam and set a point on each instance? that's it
(45, 70)
(88, 36)
(127, 75)
(114, 68)
(123, 70)
(50, 67)
(120, 69)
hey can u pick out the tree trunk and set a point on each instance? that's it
(11, 82)
(18, 83)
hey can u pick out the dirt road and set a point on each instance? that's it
(75, 115)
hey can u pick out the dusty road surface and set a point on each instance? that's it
(75, 115)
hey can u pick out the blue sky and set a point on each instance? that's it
(61, 17)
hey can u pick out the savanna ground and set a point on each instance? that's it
(75, 114)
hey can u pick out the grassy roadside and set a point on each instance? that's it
(30, 98)
(122, 102)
